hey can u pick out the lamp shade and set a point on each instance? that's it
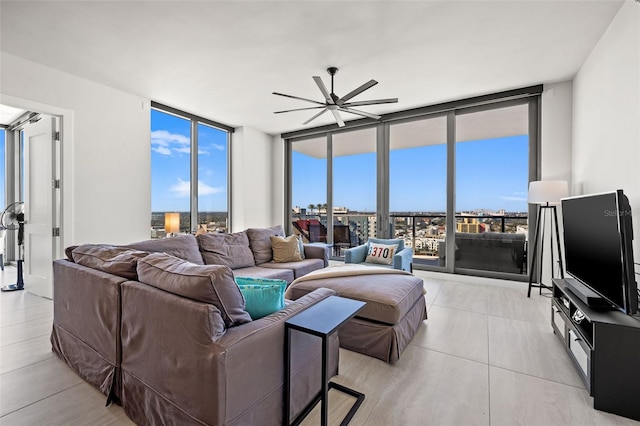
(171, 223)
(547, 191)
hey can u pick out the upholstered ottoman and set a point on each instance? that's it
(394, 311)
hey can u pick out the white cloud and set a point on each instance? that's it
(167, 137)
(167, 143)
(182, 189)
(204, 189)
(162, 150)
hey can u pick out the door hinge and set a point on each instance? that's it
(56, 136)
(55, 184)
(56, 232)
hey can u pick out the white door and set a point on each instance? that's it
(39, 203)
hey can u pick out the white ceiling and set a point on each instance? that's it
(222, 59)
(8, 114)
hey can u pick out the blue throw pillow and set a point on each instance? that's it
(262, 296)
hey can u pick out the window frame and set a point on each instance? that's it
(195, 120)
(530, 95)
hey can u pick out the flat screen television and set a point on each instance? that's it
(598, 237)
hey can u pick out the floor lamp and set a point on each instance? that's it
(546, 194)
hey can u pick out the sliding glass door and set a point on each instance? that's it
(354, 188)
(451, 183)
(418, 187)
(308, 171)
(492, 176)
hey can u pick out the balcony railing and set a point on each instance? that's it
(425, 233)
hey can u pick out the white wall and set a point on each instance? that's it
(606, 115)
(278, 180)
(107, 162)
(557, 109)
(252, 165)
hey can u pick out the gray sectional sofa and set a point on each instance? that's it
(166, 336)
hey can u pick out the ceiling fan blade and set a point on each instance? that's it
(338, 118)
(356, 92)
(362, 113)
(323, 89)
(296, 97)
(373, 102)
(315, 116)
(297, 109)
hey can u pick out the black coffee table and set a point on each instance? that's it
(321, 319)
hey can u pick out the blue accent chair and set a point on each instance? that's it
(402, 260)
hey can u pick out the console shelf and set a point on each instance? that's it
(604, 345)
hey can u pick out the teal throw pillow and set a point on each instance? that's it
(262, 296)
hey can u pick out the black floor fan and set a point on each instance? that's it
(13, 218)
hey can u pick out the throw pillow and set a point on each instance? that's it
(260, 242)
(230, 250)
(286, 249)
(118, 261)
(213, 284)
(262, 296)
(381, 253)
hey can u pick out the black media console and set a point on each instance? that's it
(604, 345)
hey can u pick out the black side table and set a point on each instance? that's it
(321, 319)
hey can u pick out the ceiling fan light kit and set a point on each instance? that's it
(336, 104)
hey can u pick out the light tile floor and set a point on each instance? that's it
(486, 356)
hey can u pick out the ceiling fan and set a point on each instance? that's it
(336, 104)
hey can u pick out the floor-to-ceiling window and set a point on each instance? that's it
(418, 187)
(189, 173)
(309, 189)
(451, 180)
(354, 188)
(492, 179)
(213, 153)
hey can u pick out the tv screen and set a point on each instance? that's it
(598, 238)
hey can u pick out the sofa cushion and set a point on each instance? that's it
(381, 253)
(277, 272)
(212, 284)
(69, 252)
(389, 296)
(299, 269)
(260, 242)
(118, 261)
(183, 246)
(262, 296)
(230, 250)
(286, 249)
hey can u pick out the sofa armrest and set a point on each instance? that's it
(356, 254)
(403, 259)
(317, 251)
(86, 304)
(174, 359)
(266, 337)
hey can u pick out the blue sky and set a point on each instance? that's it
(491, 174)
(170, 165)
